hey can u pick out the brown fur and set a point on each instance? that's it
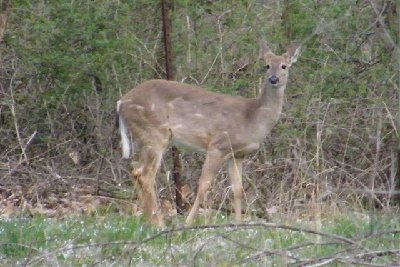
(225, 127)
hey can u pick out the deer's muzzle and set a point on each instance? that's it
(273, 79)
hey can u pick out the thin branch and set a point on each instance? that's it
(15, 120)
(211, 67)
(386, 37)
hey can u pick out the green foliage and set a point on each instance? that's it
(22, 237)
(75, 57)
(69, 42)
(126, 241)
(69, 61)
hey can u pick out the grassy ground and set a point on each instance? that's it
(342, 240)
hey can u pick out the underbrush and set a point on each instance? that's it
(350, 238)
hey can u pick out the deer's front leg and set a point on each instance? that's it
(235, 173)
(212, 164)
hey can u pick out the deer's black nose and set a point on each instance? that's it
(273, 79)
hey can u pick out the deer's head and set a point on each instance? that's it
(277, 67)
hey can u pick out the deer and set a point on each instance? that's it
(227, 128)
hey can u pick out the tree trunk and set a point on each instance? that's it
(181, 204)
(5, 9)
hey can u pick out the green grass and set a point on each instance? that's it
(128, 241)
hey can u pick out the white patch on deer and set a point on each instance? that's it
(171, 103)
(139, 107)
(252, 146)
(164, 125)
(125, 134)
(120, 102)
(118, 105)
(198, 115)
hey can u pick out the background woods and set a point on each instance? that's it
(327, 177)
(65, 63)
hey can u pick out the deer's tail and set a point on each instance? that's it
(125, 134)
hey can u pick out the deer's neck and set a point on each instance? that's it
(266, 110)
(270, 100)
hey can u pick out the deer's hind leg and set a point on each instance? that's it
(150, 155)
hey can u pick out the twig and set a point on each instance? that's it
(386, 37)
(15, 120)
(380, 233)
(291, 248)
(221, 39)
(211, 67)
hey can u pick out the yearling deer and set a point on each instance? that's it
(225, 127)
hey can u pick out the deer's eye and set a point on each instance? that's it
(267, 66)
(283, 66)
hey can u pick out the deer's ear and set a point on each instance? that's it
(265, 52)
(292, 54)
